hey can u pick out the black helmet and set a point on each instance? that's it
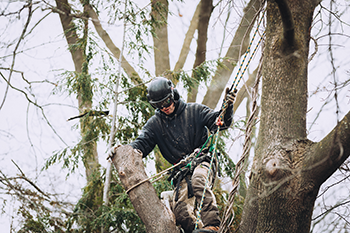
(161, 93)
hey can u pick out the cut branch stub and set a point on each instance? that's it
(153, 213)
(272, 167)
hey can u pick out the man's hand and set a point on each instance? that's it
(112, 152)
(230, 96)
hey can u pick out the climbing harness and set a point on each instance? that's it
(185, 170)
(160, 174)
(188, 163)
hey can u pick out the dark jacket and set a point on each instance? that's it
(181, 132)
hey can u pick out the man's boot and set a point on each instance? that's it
(208, 229)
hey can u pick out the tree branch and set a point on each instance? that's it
(29, 5)
(160, 36)
(187, 41)
(36, 105)
(330, 152)
(288, 24)
(70, 33)
(111, 46)
(203, 23)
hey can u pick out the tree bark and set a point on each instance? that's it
(329, 153)
(160, 39)
(84, 93)
(238, 47)
(281, 194)
(206, 9)
(153, 213)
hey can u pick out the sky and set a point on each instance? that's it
(27, 141)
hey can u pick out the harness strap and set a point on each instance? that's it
(178, 187)
(185, 172)
(189, 187)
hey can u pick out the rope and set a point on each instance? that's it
(183, 161)
(250, 58)
(214, 145)
(234, 84)
(220, 122)
(160, 173)
(245, 55)
(224, 227)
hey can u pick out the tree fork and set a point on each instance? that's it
(288, 25)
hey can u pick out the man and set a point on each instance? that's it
(178, 128)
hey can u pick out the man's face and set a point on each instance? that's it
(168, 110)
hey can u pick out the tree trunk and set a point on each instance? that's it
(187, 41)
(153, 213)
(132, 74)
(282, 193)
(160, 39)
(84, 91)
(206, 8)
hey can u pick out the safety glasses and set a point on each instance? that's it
(163, 104)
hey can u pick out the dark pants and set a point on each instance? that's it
(184, 207)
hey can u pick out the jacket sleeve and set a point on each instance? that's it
(146, 141)
(211, 116)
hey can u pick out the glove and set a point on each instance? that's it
(112, 151)
(230, 96)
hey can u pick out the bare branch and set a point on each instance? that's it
(23, 176)
(203, 23)
(36, 105)
(331, 209)
(29, 5)
(111, 46)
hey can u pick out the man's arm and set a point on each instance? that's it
(145, 142)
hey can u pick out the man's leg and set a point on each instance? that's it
(209, 211)
(183, 209)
